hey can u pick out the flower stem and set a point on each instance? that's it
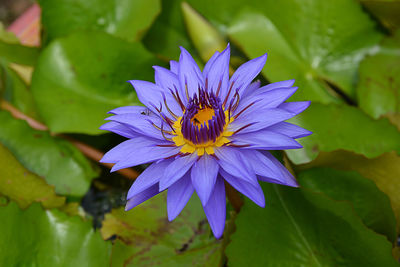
(87, 150)
(233, 197)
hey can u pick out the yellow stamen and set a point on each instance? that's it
(204, 115)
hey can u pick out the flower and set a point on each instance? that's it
(204, 129)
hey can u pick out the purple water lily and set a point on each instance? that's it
(204, 129)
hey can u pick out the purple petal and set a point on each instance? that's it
(269, 99)
(289, 129)
(295, 107)
(245, 74)
(178, 195)
(209, 63)
(120, 151)
(148, 93)
(142, 124)
(218, 74)
(174, 66)
(149, 177)
(204, 174)
(190, 75)
(215, 209)
(128, 109)
(120, 129)
(169, 82)
(269, 169)
(258, 119)
(142, 197)
(266, 140)
(251, 191)
(231, 160)
(147, 154)
(281, 84)
(176, 170)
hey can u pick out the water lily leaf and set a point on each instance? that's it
(22, 186)
(76, 82)
(343, 127)
(383, 170)
(36, 237)
(371, 204)
(301, 228)
(128, 19)
(59, 162)
(306, 42)
(378, 89)
(146, 238)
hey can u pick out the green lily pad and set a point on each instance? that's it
(146, 238)
(307, 42)
(128, 19)
(59, 162)
(378, 89)
(22, 186)
(36, 237)
(80, 78)
(383, 170)
(371, 204)
(343, 127)
(301, 228)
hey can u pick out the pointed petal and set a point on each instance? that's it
(295, 107)
(245, 74)
(253, 192)
(190, 75)
(142, 197)
(147, 154)
(215, 209)
(289, 129)
(269, 169)
(268, 99)
(176, 170)
(128, 109)
(258, 119)
(170, 83)
(266, 140)
(204, 174)
(120, 151)
(141, 124)
(178, 195)
(149, 177)
(218, 74)
(148, 93)
(152, 96)
(209, 63)
(231, 160)
(120, 129)
(174, 66)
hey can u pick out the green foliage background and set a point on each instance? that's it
(60, 208)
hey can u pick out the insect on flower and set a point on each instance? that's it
(202, 129)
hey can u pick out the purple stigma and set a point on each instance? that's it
(201, 132)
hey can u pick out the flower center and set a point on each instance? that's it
(203, 124)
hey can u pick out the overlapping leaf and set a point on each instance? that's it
(22, 186)
(146, 238)
(302, 228)
(343, 127)
(128, 19)
(36, 237)
(371, 204)
(80, 78)
(53, 158)
(308, 41)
